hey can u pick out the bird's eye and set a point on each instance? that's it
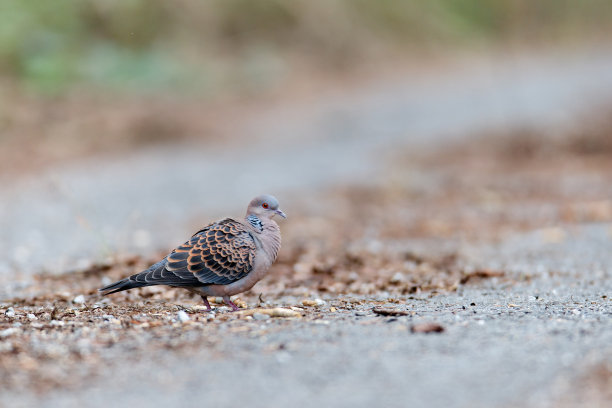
(265, 205)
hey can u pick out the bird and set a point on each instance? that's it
(223, 259)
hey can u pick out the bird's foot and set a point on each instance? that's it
(208, 308)
(231, 304)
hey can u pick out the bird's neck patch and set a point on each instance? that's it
(255, 222)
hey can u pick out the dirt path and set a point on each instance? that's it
(503, 242)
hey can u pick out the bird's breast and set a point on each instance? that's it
(270, 240)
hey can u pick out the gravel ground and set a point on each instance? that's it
(474, 274)
(504, 344)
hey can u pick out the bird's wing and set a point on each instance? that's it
(157, 274)
(219, 254)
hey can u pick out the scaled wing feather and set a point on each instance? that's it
(221, 253)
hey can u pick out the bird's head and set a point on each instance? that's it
(265, 206)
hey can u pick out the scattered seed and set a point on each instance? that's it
(275, 312)
(313, 302)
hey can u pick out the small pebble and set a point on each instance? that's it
(10, 312)
(426, 328)
(353, 277)
(79, 300)
(260, 316)
(182, 316)
(397, 278)
(7, 332)
(389, 311)
(283, 357)
(32, 316)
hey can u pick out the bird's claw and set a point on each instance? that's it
(231, 304)
(208, 308)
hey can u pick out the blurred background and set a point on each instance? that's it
(82, 77)
(118, 115)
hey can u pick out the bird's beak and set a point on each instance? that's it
(279, 212)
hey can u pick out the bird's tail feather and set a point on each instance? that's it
(137, 280)
(121, 285)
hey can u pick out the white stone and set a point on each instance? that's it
(182, 316)
(79, 300)
(7, 332)
(398, 277)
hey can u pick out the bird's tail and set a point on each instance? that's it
(121, 285)
(135, 281)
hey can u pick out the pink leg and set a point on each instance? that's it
(231, 304)
(208, 308)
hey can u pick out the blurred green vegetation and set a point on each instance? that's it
(187, 45)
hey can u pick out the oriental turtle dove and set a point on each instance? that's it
(224, 258)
